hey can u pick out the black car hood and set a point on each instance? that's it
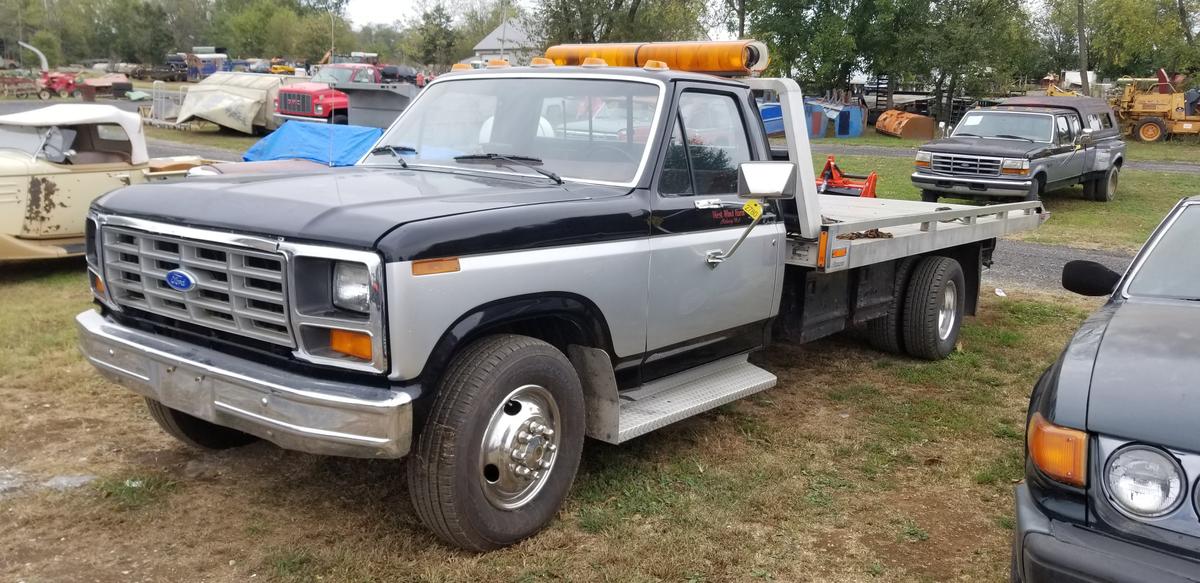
(985, 147)
(1146, 382)
(346, 206)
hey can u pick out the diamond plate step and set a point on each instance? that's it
(677, 397)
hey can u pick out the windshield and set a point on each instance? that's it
(580, 129)
(1171, 269)
(333, 75)
(990, 124)
(53, 142)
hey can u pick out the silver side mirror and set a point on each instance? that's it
(766, 180)
(757, 181)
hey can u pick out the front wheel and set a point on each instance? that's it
(929, 196)
(933, 308)
(1035, 190)
(44, 94)
(501, 444)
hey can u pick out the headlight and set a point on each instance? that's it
(1014, 166)
(320, 109)
(351, 286)
(1144, 481)
(923, 157)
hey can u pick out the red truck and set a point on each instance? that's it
(315, 100)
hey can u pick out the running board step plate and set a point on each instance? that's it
(677, 397)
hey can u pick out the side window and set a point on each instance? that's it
(1094, 121)
(1075, 127)
(716, 141)
(677, 174)
(112, 133)
(363, 76)
(1106, 120)
(1064, 130)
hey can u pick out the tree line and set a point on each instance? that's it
(957, 46)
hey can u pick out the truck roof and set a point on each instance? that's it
(661, 75)
(1078, 104)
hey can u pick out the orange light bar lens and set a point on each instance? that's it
(595, 62)
(497, 64)
(741, 57)
(653, 65)
(435, 266)
(1059, 452)
(541, 62)
(460, 67)
(351, 343)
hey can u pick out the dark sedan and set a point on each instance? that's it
(1112, 459)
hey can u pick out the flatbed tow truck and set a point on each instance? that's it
(591, 245)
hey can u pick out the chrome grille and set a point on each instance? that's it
(964, 165)
(290, 102)
(237, 290)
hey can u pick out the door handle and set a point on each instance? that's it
(710, 203)
(124, 178)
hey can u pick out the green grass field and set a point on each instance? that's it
(207, 135)
(858, 466)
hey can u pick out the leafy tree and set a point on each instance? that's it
(279, 34)
(588, 21)
(437, 36)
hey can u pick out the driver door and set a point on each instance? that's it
(698, 312)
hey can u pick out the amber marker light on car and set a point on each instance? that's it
(350, 343)
(1059, 452)
(435, 266)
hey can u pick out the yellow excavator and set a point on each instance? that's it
(1153, 109)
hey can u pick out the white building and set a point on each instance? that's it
(509, 41)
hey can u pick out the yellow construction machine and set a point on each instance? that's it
(1152, 109)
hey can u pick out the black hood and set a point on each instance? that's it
(1146, 382)
(985, 147)
(345, 206)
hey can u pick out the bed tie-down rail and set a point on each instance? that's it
(857, 232)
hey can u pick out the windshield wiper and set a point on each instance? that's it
(1012, 137)
(526, 161)
(395, 152)
(961, 134)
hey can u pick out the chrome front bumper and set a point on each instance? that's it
(313, 119)
(970, 186)
(291, 410)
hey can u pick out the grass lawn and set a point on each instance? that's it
(1179, 149)
(1143, 198)
(208, 135)
(858, 466)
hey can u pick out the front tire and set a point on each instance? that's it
(933, 308)
(1150, 129)
(929, 196)
(339, 119)
(501, 444)
(1035, 189)
(194, 431)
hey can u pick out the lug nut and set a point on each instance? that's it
(545, 465)
(537, 475)
(536, 427)
(516, 454)
(523, 437)
(523, 471)
(551, 447)
(548, 432)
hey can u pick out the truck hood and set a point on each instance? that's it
(308, 87)
(344, 206)
(985, 147)
(1146, 381)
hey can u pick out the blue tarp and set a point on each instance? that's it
(333, 144)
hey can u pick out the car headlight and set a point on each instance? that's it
(320, 109)
(351, 286)
(1014, 166)
(923, 158)
(1144, 481)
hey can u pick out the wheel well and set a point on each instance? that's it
(560, 320)
(1120, 161)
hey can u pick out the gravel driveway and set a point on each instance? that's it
(1018, 264)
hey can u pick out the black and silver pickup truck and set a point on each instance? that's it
(486, 288)
(1023, 148)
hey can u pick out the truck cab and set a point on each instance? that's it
(316, 100)
(502, 275)
(1023, 148)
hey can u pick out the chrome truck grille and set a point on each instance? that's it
(290, 102)
(236, 290)
(964, 165)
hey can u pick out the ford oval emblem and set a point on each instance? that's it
(180, 280)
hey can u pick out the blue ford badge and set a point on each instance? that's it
(180, 280)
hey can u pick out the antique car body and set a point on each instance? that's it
(55, 160)
(1025, 147)
(1120, 500)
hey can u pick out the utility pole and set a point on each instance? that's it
(1083, 48)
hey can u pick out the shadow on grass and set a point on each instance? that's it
(24, 271)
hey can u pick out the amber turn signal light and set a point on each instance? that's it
(1058, 452)
(435, 266)
(350, 343)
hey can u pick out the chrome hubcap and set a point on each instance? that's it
(1112, 183)
(519, 447)
(948, 313)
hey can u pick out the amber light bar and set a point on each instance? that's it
(737, 57)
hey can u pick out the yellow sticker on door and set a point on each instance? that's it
(753, 209)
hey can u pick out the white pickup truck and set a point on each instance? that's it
(486, 288)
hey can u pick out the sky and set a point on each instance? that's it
(363, 12)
